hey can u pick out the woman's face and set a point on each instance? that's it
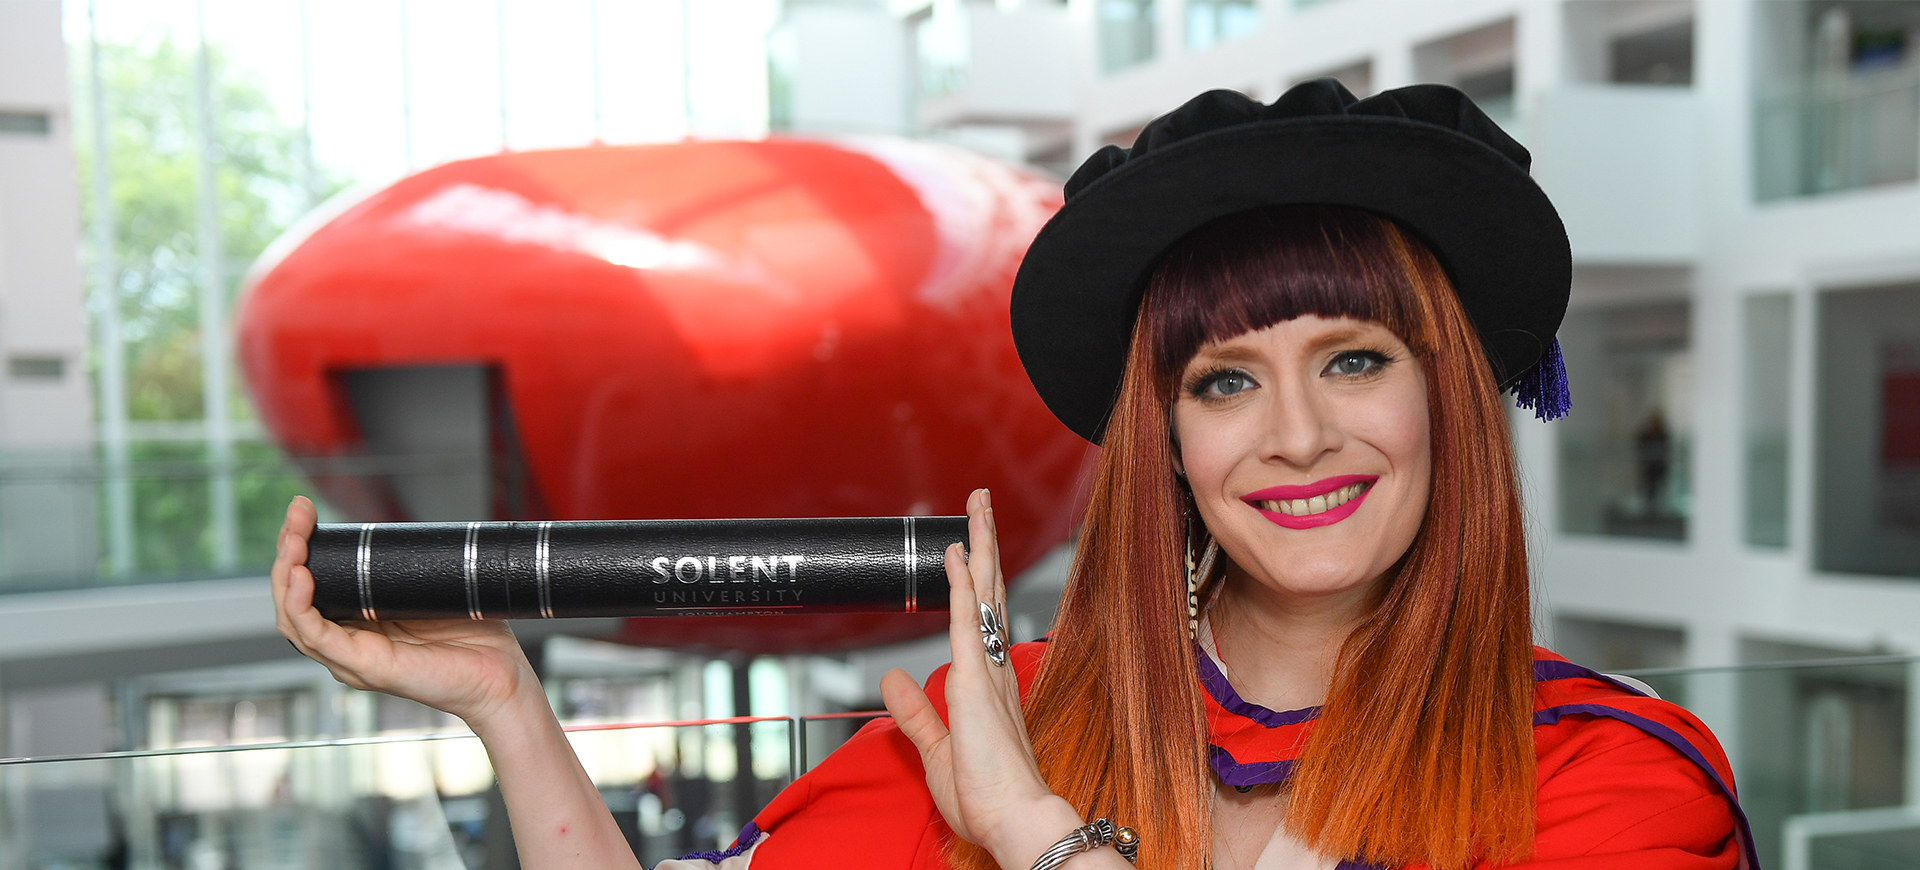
(1306, 446)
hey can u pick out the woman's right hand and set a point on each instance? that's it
(980, 765)
(474, 669)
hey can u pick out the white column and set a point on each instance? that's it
(500, 44)
(799, 705)
(406, 95)
(1714, 695)
(13, 803)
(1802, 427)
(686, 69)
(1539, 49)
(214, 364)
(1170, 30)
(113, 363)
(593, 62)
(1716, 527)
(1392, 64)
(1913, 735)
(309, 172)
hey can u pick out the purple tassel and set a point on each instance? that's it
(1544, 390)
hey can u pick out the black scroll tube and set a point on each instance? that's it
(519, 570)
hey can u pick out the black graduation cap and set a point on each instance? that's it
(1424, 156)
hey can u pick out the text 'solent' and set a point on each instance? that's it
(727, 569)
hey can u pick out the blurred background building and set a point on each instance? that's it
(1733, 504)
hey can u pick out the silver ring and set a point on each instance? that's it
(993, 633)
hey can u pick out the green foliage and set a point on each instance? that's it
(172, 507)
(153, 145)
(261, 185)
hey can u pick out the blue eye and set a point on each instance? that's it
(1355, 363)
(1227, 383)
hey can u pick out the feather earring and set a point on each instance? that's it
(1197, 576)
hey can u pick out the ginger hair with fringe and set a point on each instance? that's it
(1423, 752)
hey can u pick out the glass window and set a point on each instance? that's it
(1839, 99)
(1662, 56)
(1624, 451)
(26, 123)
(36, 368)
(1630, 42)
(1611, 646)
(1480, 62)
(1492, 91)
(1211, 21)
(1126, 33)
(941, 42)
(1357, 77)
(1123, 138)
(1769, 365)
(1867, 510)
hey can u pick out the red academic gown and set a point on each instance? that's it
(1624, 781)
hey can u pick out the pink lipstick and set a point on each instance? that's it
(1321, 503)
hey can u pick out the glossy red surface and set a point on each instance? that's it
(703, 329)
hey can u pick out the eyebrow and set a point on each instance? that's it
(1234, 353)
(1343, 335)
(1227, 354)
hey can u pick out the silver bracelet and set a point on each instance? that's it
(1086, 838)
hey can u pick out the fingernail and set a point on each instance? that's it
(986, 498)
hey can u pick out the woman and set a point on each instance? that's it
(1297, 628)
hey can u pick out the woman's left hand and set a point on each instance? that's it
(980, 765)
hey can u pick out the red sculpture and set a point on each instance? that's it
(703, 329)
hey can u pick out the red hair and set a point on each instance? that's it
(1423, 752)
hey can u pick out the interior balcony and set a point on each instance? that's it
(1622, 164)
(985, 69)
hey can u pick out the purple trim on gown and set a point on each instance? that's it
(1235, 773)
(742, 843)
(1672, 738)
(1222, 691)
(1546, 670)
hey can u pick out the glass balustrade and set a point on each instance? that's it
(396, 801)
(174, 512)
(1838, 132)
(1823, 752)
(1823, 755)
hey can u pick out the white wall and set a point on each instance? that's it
(1622, 165)
(46, 423)
(1021, 66)
(851, 71)
(40, 277)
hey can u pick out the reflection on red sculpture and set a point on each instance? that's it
(703, 329)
